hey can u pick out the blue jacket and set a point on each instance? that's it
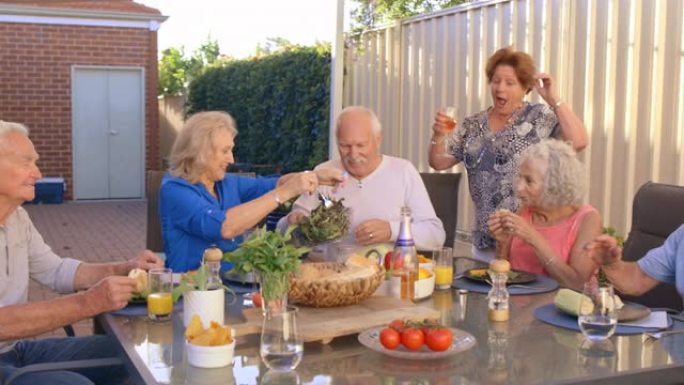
(191, 218)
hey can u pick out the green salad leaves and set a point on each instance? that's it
(326, 224)
(266, 251)
(272, 256)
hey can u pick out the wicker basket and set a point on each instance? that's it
(331, 293)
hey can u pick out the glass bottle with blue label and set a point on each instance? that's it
(405, 257)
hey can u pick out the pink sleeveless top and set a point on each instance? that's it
(561, 236)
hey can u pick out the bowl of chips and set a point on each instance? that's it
(212, 347)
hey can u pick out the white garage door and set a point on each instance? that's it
(108, 132)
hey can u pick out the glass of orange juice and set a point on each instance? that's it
(159, 299)
(443, 268)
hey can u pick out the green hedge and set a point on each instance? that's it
(280, 103)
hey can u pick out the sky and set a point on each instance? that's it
(239, 25)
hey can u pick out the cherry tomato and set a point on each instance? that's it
(428, 326)
(388, 260)
(439, 340)
(398, 325)
(412, 338)
(256, 299)
(390, 338)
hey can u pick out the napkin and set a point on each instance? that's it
(657, 319)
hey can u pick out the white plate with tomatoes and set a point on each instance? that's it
(416, 339)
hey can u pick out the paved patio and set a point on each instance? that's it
(89, 231)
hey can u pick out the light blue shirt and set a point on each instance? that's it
(191, 218)
(666, 263)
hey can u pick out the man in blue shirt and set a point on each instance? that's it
(662, 264)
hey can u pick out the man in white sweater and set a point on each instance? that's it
(23, 256)
(377, 187)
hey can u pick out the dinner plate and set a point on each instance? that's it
(631, 311)
(248, 278)
(514, 276)
(137, 300)
(462, 341)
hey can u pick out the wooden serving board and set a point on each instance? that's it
(324, 324)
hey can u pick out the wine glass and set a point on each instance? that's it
(597, 316)
(450, 112)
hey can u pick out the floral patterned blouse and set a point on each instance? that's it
(491, 159)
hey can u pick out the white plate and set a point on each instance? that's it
(462, 341)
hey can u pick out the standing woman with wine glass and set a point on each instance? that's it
(489, 142)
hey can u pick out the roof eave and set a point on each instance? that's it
(25, 10)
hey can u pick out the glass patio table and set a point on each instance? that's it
(520, 351)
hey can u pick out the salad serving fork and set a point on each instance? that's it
(327, 202)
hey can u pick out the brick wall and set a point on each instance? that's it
(35, 83)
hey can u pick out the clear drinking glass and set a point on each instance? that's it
(344, 251)
(281, 345)
(443, 268)
(159, 300)
(280, 378)
(451, 113)
(597, 318)
(160, 351)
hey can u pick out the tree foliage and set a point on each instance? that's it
(279, 101)
(371, 14)
(176, 70)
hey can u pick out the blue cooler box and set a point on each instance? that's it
(49, 190)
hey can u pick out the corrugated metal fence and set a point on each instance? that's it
(618, 63)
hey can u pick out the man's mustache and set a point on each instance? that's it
(359, 160)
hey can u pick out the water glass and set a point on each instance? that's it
(443, 268)
(597, 316)
(159, 299)
(281, 345)
(597, 357)
(280, 378)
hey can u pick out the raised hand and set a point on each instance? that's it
(110, 293)
(330, 176)
(546, 87)
(604, 250)
(443, 125)
(147, 260)
(497, 228)
(299, 183)
(515, 225)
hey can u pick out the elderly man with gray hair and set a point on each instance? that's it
(377, 187)
(23, 255)
(548, 234)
